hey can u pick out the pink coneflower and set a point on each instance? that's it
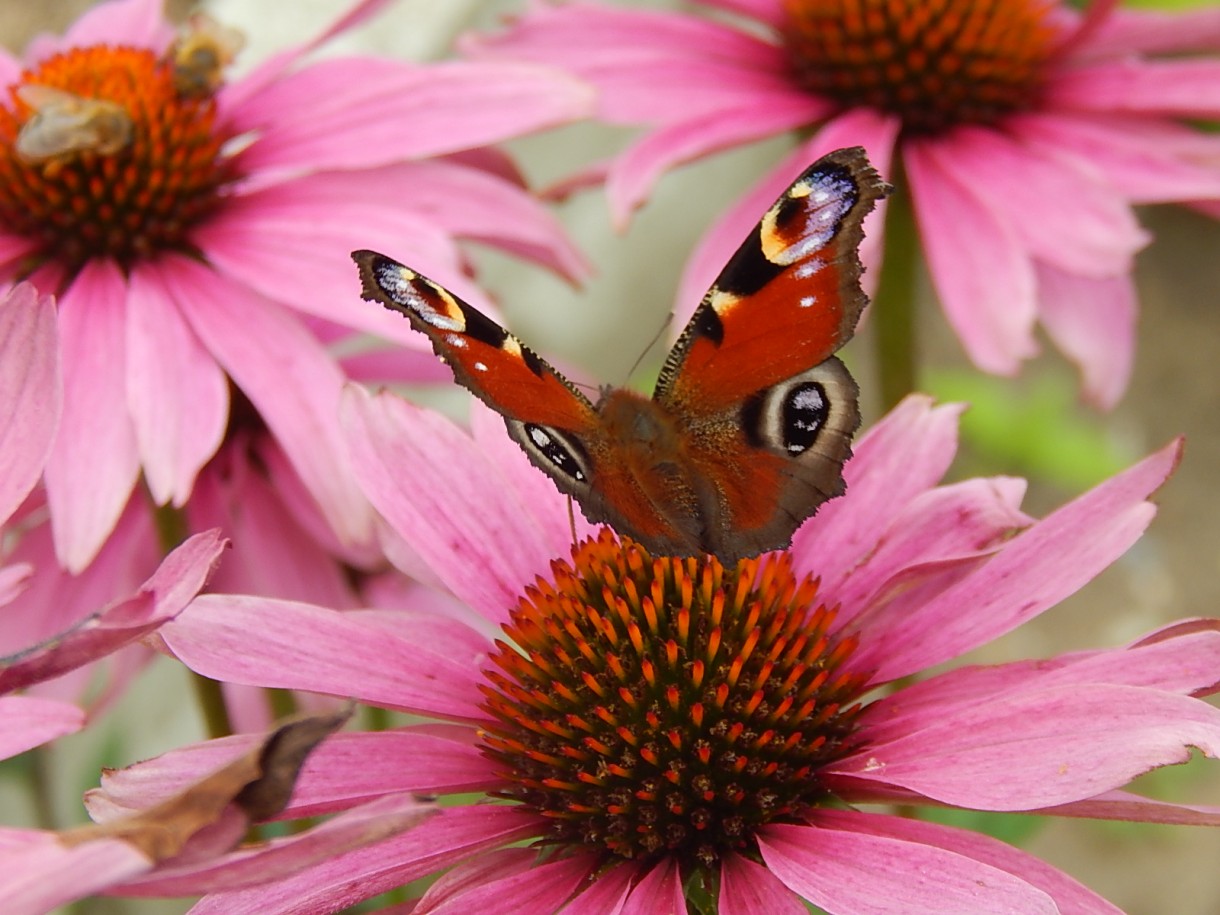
(645, 728)
(189, 224)
(1023, 130)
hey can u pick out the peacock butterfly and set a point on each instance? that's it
(752, 416)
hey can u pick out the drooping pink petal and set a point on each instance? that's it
(29, 721)
(1071, 743)
(344, 770)
(1150, 161)
(41, 873)
(1123, 805)
(94, 463)
(983, 276)
(747, 888)
(509, 881)
(770, 12)
(442, 495)
(836, 867)
(13, 579)
(233, 94)
(1183, 88)
(364, 112)
(659, 890)
(176, 581)
(275, 555)
(1127, 31)
(133, 23)
(633, 175)
(288, 377)
(30, 391)
(1036, 570)
(608, 893)
(1070, 897)
(179, 397)
(904, 454)
(940, 536)
(344, 880)
(257, 864)
(270, 242)
(647, 65)
(1093, 322)
(324, 651)
(1059, 210)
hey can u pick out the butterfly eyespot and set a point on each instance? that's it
(792, 416)
(803, 413)
(552, 450)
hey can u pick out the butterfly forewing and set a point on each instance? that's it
(787, 299)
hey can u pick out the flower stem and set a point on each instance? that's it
(893, 308)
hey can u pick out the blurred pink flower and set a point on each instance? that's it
(1025, 132)
(637, 745)
(196, 231)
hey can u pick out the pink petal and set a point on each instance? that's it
(1036, 570)
(843, 870)
(1070, 897)
(344, 880)
(1040, 748)
(633, 175)
(94, 463)
(451, 507)
(178, 395)
(988, 296)
(747, 888)
(41, 873)
(362, 112)
(177, 580)
(29, 721)
(1060, 210)
(608, 893)
(30, 391)
(1123, 805)
(1093, 322)
(940, 536)
(257, 864)
(133, 23)
(329, 652)
(290, 379)
(507, 882)
(901, 456)
(13, 579)
(1149, 31)
(234, 94)
(647, 65)
(274, 555)
(766, 11)
(1182, 88)
(659, 890)
(1147, 161)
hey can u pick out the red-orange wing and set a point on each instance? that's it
(787, 300)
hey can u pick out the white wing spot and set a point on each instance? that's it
(455, 341)
(808, 301)
(480, 367)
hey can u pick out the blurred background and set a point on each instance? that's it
(1031, 426)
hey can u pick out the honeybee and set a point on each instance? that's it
(64, 125)
(202, 50)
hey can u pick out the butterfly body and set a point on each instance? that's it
(752, 416)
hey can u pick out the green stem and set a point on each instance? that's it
(212, 706)
(893, 309)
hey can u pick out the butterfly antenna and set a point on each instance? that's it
(669, 319)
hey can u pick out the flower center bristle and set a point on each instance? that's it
(102, 154)
(934, 63)
(667, 706)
